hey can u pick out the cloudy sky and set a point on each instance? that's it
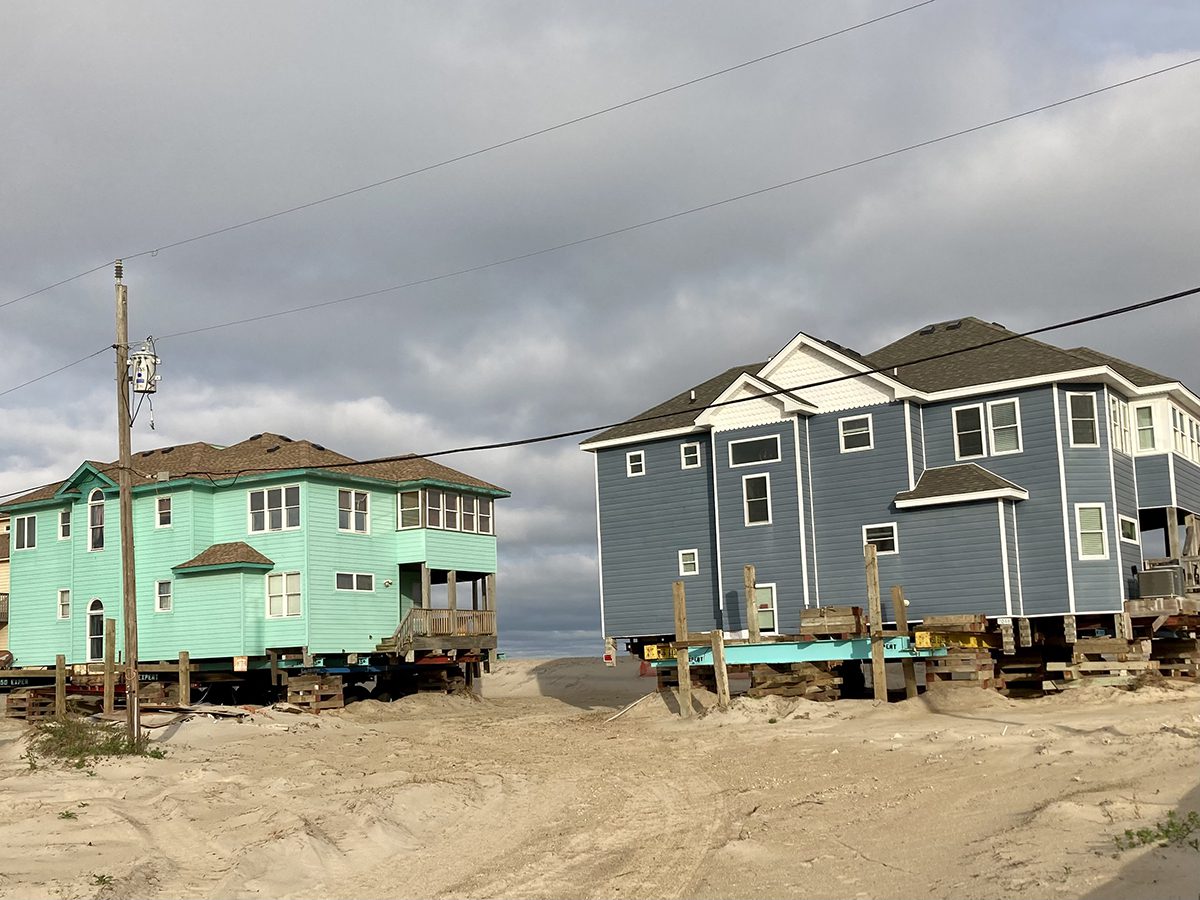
(130, 126)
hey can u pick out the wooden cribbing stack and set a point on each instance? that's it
(314, 693)
(968, 645)
(833, 621)
(812, 681)
(1106, 659)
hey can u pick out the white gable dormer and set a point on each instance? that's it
(751, 401)
(806, 362)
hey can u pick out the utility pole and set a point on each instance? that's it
(124, 483)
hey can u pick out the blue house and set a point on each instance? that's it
(1017, 479)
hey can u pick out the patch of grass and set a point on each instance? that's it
(1174, 831)
(101, 880)
(79, 741)
(68, 814)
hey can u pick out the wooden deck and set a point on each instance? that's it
(443, 629)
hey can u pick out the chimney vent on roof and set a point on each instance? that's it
(928, 329)
(692, 396)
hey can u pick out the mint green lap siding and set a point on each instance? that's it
(36, 633)
(205, 618)
(410, 545)
(351, 621)
(460, 552)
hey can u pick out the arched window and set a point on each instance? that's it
(95, 631)
(96, 520)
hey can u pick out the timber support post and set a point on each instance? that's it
(721, 673)
(60, 686)
(875, 608)
(749, 579)
(452, 594)
(185, 678)
(110, 655)
(683, 665)
(426, 586)
(900, 610)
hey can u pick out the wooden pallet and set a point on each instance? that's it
(314, 693)
(812, 681)
(960, 665)
(1178, 657)
(31, 704)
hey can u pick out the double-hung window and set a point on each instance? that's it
(354, 581)
(275, 509)
(64, 523)
(96, 520)
(856, 433)
(1090, 533)
(689, 455)
(162, 512)
(163, 598)
(764, 604)
(485, 515)
(883, 536)
(354, 511)
(64, 604)
(1004, 426)
(283, 594)
(1144, 422)
(468, 513)
(1118, 425)
(635, 463)
(433, 508)
(451, 512)
(756, 499)
(25, 532)
(969, 442)
(689, 562)
(1082, 415)
(410, 509)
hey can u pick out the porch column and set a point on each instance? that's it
(1174, 549)
(489, 595)
(425, 587)
(452, 589)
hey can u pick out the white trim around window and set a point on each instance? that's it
(163, 514)
(24, 530)
(275, 506)
(1090, 524)
(635, 463)
(1004, 427)
(689, 455)
(95, 520)
(1131, 535)
(362, 582)
(354, 511)
(689, 562)
(960, 433)
(851, 427)
(284, 595)
(64, 524)
(64, 603)
(883, 535)
(756, 500)
(760, 608)
(1083, 420)
(164, 596)
(409, 510)
(773, 438)
(1144, 439)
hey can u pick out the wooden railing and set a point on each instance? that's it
(445, 622)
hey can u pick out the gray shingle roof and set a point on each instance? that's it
(262, 453)
(678, 412)
(1140, 376)
(231, 554)
(1018, 357)
(948, 481)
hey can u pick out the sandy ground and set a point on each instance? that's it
(530, 793)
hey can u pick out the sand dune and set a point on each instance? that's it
(528, 792)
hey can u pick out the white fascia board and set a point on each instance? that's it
(997, 494)
(803, 340)
(641, 438)
(789, 403)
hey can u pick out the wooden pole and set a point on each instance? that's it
(124, 485)
(475, 594)
(110, 655)
(681, 655)
(875, 607)
(426, 588)
(900, 609)
(185, 678)
(60, 686)
(452, 591)
(1174, 549)
(749, 579)
(489, 593)
(722, 673)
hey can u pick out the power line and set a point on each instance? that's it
(479, 152)
(17, 387)
(681, 213)
(543, 438)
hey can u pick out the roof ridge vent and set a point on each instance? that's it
(951, 326)
(272, 449)
(928, 329)
(254, 437)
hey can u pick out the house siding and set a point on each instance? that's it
(774, 549)
(644, 522)
(1187, 485)
(1154, 481)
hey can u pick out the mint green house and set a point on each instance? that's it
(265, 547)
